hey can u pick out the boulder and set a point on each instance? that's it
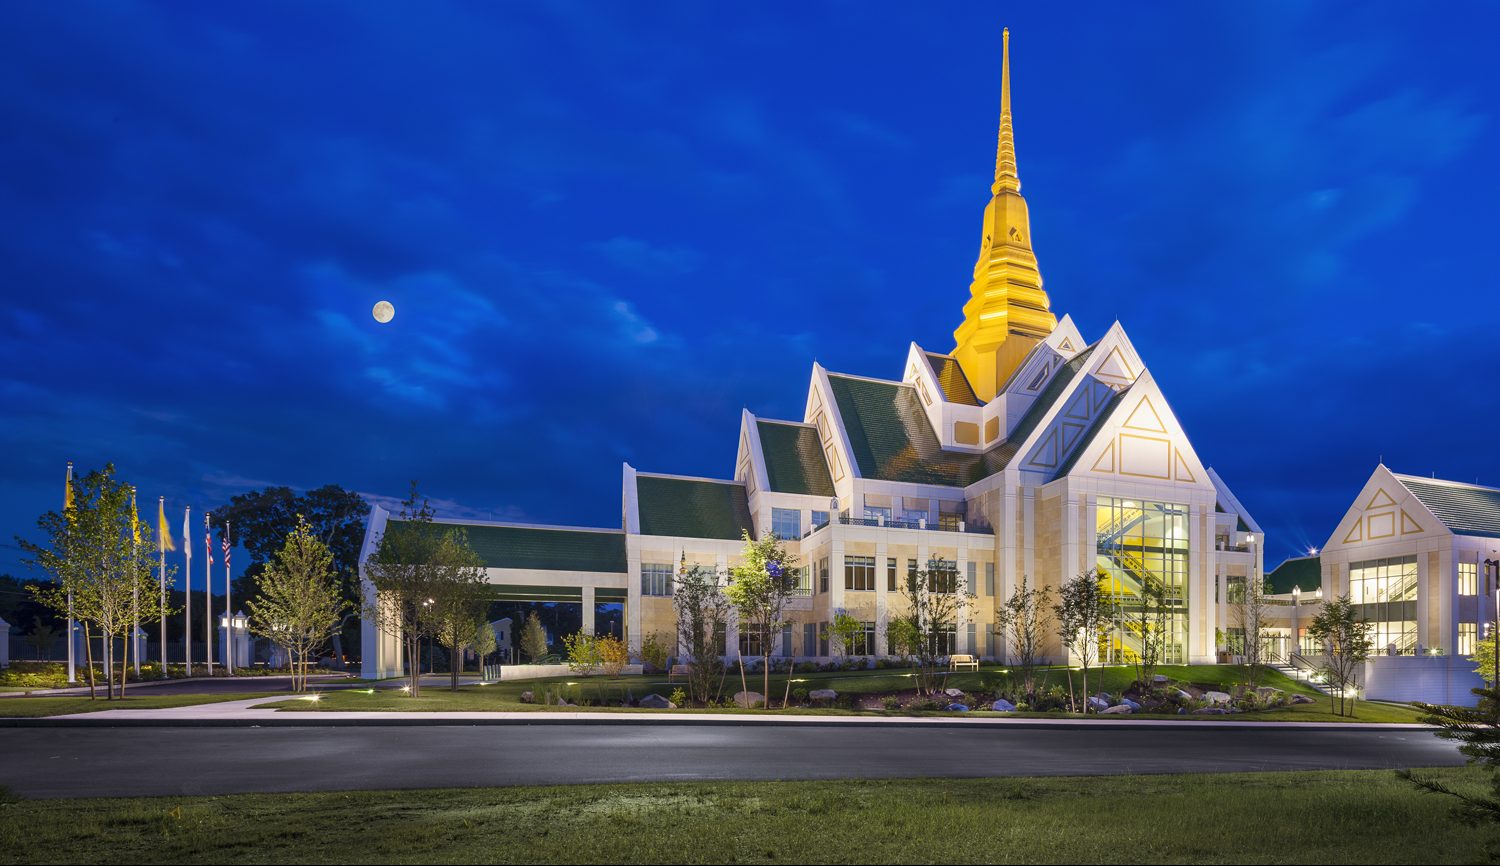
(1159, 679)
(749, 699)
(657, 702)
(957, 708)
(1302, 699)
(954, 693)
(1266, 693)
(1183, 696)
(1210, 711)
(822, 695)
(1127, 702)
(1003, 706)
(1120, 710)
(1216, 697)
(528, 697)
(1098, 704)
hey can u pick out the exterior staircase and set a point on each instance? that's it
(1302, 674)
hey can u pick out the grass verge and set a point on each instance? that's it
(1338, 817)
(35, 708)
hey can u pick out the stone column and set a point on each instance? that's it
(588, 610)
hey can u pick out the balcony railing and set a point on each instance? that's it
(908, 523)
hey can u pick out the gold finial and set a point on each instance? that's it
(1005, 153)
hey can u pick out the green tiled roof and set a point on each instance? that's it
(1466, 509)
(951, 377)
(543, 549)
(893, 440)
(794, 458)
(1299, 571)
(691, 507)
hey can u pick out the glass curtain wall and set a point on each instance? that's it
(1384, 593)
(1143, 545)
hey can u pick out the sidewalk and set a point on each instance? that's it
(248, 713)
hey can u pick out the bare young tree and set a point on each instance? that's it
(926, 625)
(759, 588)
(299, 606)
(702, 616)
(1026, 618)
(1149, 620)
(1250, 614)
(102, 557)
(1081, 613)
(1346, 641)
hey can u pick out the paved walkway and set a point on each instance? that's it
(251, 712)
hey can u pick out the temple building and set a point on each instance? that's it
(1025, 450)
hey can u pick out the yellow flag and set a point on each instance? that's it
(135, 518)
(163, 531)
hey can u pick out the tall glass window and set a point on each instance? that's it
(1468, 632)
(1143, 546)
(819, 519)
(1384, 592)
(786, 523)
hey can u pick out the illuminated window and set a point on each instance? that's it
(656, 578)
(859, 573)
(1468, 578)
(1141, 545)
(1468, 632)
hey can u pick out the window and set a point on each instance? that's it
(948, 521)
(1467, 633)
(819, 519)
(1468, 578)
(915, 518)
(786, 523)
(890, 575)
(1139, 544)
(972, 567)
(801, 581)
(945, 641)
(656, 578)
(823, 574)
(749, 643)
(1384, 592)
(989, 578)
(875, 512)
(942, 576)
(862, 643)
(859, 573)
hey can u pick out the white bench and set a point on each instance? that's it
(962, 662)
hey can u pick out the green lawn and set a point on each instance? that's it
(1368, 816)
(505, 696)
(32, 708)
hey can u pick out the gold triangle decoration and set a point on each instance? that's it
(1066, 345)
(1180, 467)
(817, 402)
(1115, 367)
(1070, 433)
(1144, 417)
(1046, 456)
(1381, 498)
(1106, 461)
(1102, 394)
(1409, 525)
(1354, 533)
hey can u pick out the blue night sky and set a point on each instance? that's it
(608, 227)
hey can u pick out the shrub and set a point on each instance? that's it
(891, 702)
(613, 655)
(799, 694)
(678, 697)
(655, 653)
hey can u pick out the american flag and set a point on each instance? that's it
(208, 545)
(226, 549)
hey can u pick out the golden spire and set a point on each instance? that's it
(1007, 312)
(1005, 152)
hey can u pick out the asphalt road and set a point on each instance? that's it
(83, 761)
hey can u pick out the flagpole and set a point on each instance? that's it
(161, 576)
(72, 624)
(187, 588)
(208, 589)
(134, 649)
(228, 614)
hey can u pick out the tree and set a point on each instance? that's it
(458, 601)
(1150, 620)
(1484, 658)
(483, 643)
(1026, 618)
(263, 519)
(299, 605)
(614, 655)
(702, 617)
(1081, 613)
(102, 562)
(1251, 612)
(759, 588)
(422, 574)
(655, 651)
(929, 605)
(1478, 730)
(1346, 642)
(845, 630)
(533, 639)
(583, 653)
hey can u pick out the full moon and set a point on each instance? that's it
(384, 312)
